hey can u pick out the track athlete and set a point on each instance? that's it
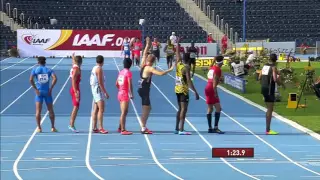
(155, 48)
(183, 82)
(75, 74)
(268, 85)
(146, 73)
(169, 50)
(99, 94)
(125, 48)
(125, 93)
(40, 81)
(193, 51)
(212, 97)
(137, 47)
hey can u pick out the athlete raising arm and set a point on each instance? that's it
(183, 82)
(146, 73)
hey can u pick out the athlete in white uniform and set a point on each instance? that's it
(99, 94)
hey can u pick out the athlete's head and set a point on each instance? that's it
(155, 39)
(78, 60)
(100, 60)
(126, 40)
(192, 44)
(137, 39)
(273, 58)
(219, 60)
(42, 60)
(150, 59)
(127, 62)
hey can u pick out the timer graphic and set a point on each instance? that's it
(232, 152)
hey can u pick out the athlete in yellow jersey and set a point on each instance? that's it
(183, 82)
(169, 50)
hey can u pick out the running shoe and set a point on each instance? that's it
(73, 129)
(39, 130)
(125, 132)
(146, 131)
(176, 131)
(54, 130)
(119, 130)
(271, 133)
(184, 133)
(102, 131)
(215, 130)
(95, 130)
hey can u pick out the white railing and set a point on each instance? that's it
(212, 17)
(8, 9)
(21, 17)
(36, 26)
(231, 36)
(208, 12)
(15, 13)
(218, 21)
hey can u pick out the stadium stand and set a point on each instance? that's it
(8, 38)
(163, 16)
(278, 20)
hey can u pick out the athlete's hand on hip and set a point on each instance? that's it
(197, 96)
(106, 95)
(37, 92)
(50, 92)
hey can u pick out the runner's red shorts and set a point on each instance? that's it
(136, 53)
(211, 97)
(74, 99)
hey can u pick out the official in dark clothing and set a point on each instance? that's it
(269, 79)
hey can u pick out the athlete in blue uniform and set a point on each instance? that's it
(126, 47)
(40, 81)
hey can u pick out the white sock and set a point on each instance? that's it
(143, 128)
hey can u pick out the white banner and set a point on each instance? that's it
(89, 43)
(269, 47)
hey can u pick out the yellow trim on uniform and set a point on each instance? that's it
(181, 83)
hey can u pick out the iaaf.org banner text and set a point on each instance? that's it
(89, 43)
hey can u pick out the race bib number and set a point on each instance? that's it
(121, 80)
(126, 48)
(192, 55)
(178, 81)
(169, 51)
(155, 48)
(265, 70)
(43, 78)
(140, 83)
(136, 47)
(210, 74)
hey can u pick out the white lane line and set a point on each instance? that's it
(154, 157)
(119, 149)
(298, 151)
(120, 158)
(55, 153)
(5, 150)
(15, 64)
(24, 92)
(16, 162)
(17, 75)
(310, 176)
(58, 150)
(200, 135)
(178, 143)
(272, 176)
(89, 147)
(6, 59)
(264, 141)
(186, 158)
(59, 143)
(118, 143)
(120, 153)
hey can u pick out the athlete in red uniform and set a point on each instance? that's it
(137, 47)
(212, 97)
(75, 74)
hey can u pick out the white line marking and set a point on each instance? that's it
(177, 143)
(235, 145)
(120, 158)
(118, 143)
(55, 153)
(2, 61)
(283, 119)
(60, 143)
(200, 135)
(311, 158)
(265, 142)
(58, 150)
(5, 150)
(184, 158)
(15, 64)
(16, 162)
(301, 145)
(24, 92)
(119, 149)
(89, 148)
(119, 153)
(17, 75)
(313, 155)
(154, 157)
(310, 176)
(298, 151)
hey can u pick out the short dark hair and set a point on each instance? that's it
(78, 59)
(99, 59)
(41, 60)
(273, 58)
(127, 62)
(219, 58)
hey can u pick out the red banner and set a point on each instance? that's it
(95, 39)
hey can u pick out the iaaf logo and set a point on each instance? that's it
(96, 40)
(33, 40)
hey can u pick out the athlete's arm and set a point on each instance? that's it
(31, 80)
(117, 85)
(54, 81)
(100, 80)
(145, 52)
(186, 70)
(165, 48)
(160, 73)
(74, 79)
(178, 56)
(275, 77)
(130, 87)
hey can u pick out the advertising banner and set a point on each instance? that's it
(60, 43)
(269, 47)
(235, 82)
(89, 43)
